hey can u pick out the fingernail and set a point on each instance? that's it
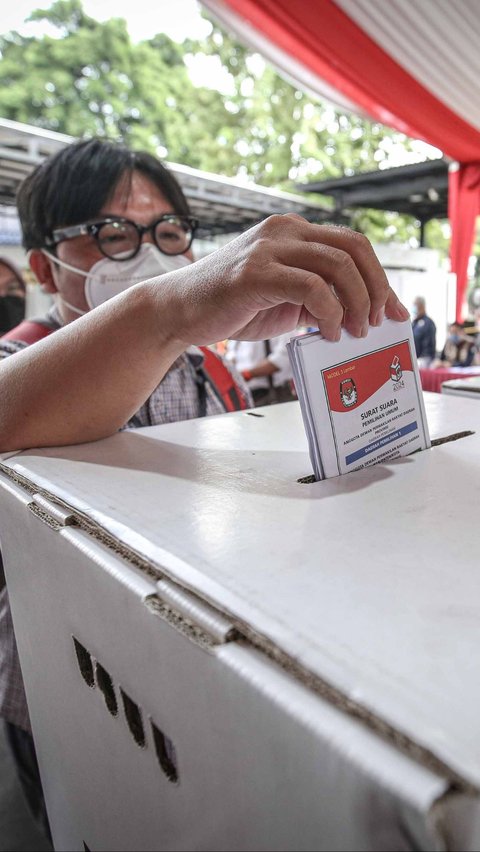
(379, 317)
(402, 311)
(355, 328)
(338, 335)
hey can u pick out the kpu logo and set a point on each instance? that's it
(396, 374)
(348, 392)
(396, 369)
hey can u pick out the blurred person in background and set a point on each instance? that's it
(265, 366)
(476, 335)
(12, 295)
(424, 333)
(459, 349)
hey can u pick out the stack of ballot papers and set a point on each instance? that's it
(361, 398)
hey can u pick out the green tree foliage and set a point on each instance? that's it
(88, 78)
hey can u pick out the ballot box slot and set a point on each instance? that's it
(436, 442)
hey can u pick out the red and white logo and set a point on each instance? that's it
(396, 369)
(348, 392)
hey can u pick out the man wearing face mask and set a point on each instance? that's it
(96, 219)
(85, 214)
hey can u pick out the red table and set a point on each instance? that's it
(432, 379)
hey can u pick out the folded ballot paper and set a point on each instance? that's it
(361, 399)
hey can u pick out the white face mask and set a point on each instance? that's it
(108, 278)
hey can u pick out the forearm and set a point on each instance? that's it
(263, 368)
(86, 380)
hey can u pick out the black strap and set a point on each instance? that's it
(201, 380)
(268, 350)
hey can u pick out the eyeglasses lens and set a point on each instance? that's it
(118, 239)
(173, 236)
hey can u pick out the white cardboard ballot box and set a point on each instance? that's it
(220, 656)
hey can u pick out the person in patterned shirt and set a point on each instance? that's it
(97, 218)
(135, 209)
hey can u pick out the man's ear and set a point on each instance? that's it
(42, 269)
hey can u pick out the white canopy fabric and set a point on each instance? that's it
(411, 65)
(436, 41)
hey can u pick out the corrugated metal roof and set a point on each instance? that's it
(418, 189)
(222, 205)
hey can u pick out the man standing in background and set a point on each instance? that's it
(265, 366)
(424, 333)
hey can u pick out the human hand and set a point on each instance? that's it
(281, 273)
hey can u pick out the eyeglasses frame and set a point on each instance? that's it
(92, 229)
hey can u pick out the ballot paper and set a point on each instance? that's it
(361, 398)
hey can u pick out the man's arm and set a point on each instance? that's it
(262, 368)
(86, 380)
(276, 360)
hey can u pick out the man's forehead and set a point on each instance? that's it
(137, 196)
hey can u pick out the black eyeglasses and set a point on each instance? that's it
(120, 239)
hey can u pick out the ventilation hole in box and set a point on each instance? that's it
(133, 716)
(85, 663)
(166, 754)
(104, 682)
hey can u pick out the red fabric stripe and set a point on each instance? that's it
(327, 42)
(28, 331)
(463, 209)
(221, 377)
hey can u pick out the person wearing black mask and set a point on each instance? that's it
(12, 295)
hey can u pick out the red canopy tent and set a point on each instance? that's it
(413, 66)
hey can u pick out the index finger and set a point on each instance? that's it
(359, 254)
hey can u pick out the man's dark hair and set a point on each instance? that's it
(74, 184)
